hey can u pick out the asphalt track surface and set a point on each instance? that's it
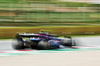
(74, 58)
(5, 45)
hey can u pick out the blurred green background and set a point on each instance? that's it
(30, 13)
(47, 12)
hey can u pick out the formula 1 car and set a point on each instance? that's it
(41, 41)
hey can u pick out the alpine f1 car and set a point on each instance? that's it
(41, 41)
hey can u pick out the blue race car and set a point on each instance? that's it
(42, 41)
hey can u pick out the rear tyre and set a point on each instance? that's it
(18, 44)
(34, 45)
(31, 44)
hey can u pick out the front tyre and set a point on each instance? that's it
(68, 41)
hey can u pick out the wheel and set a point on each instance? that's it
(18, 44)
(43, 45)
(31, 44)
(73, 43)
(34, 45)
(68, 41)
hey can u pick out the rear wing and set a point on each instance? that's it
(27, 35)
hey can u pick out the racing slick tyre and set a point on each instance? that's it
(18, 44)
(68, 41)
(43, 45)
(31, 44)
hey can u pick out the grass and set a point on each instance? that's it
(45, 24)
(66, 4)
(52, 19)
(48, 20)
(8, 1)
(88, 35)
(60, 17)
(25, 12)
(75, 30)
(10, 32)
(55, 17)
